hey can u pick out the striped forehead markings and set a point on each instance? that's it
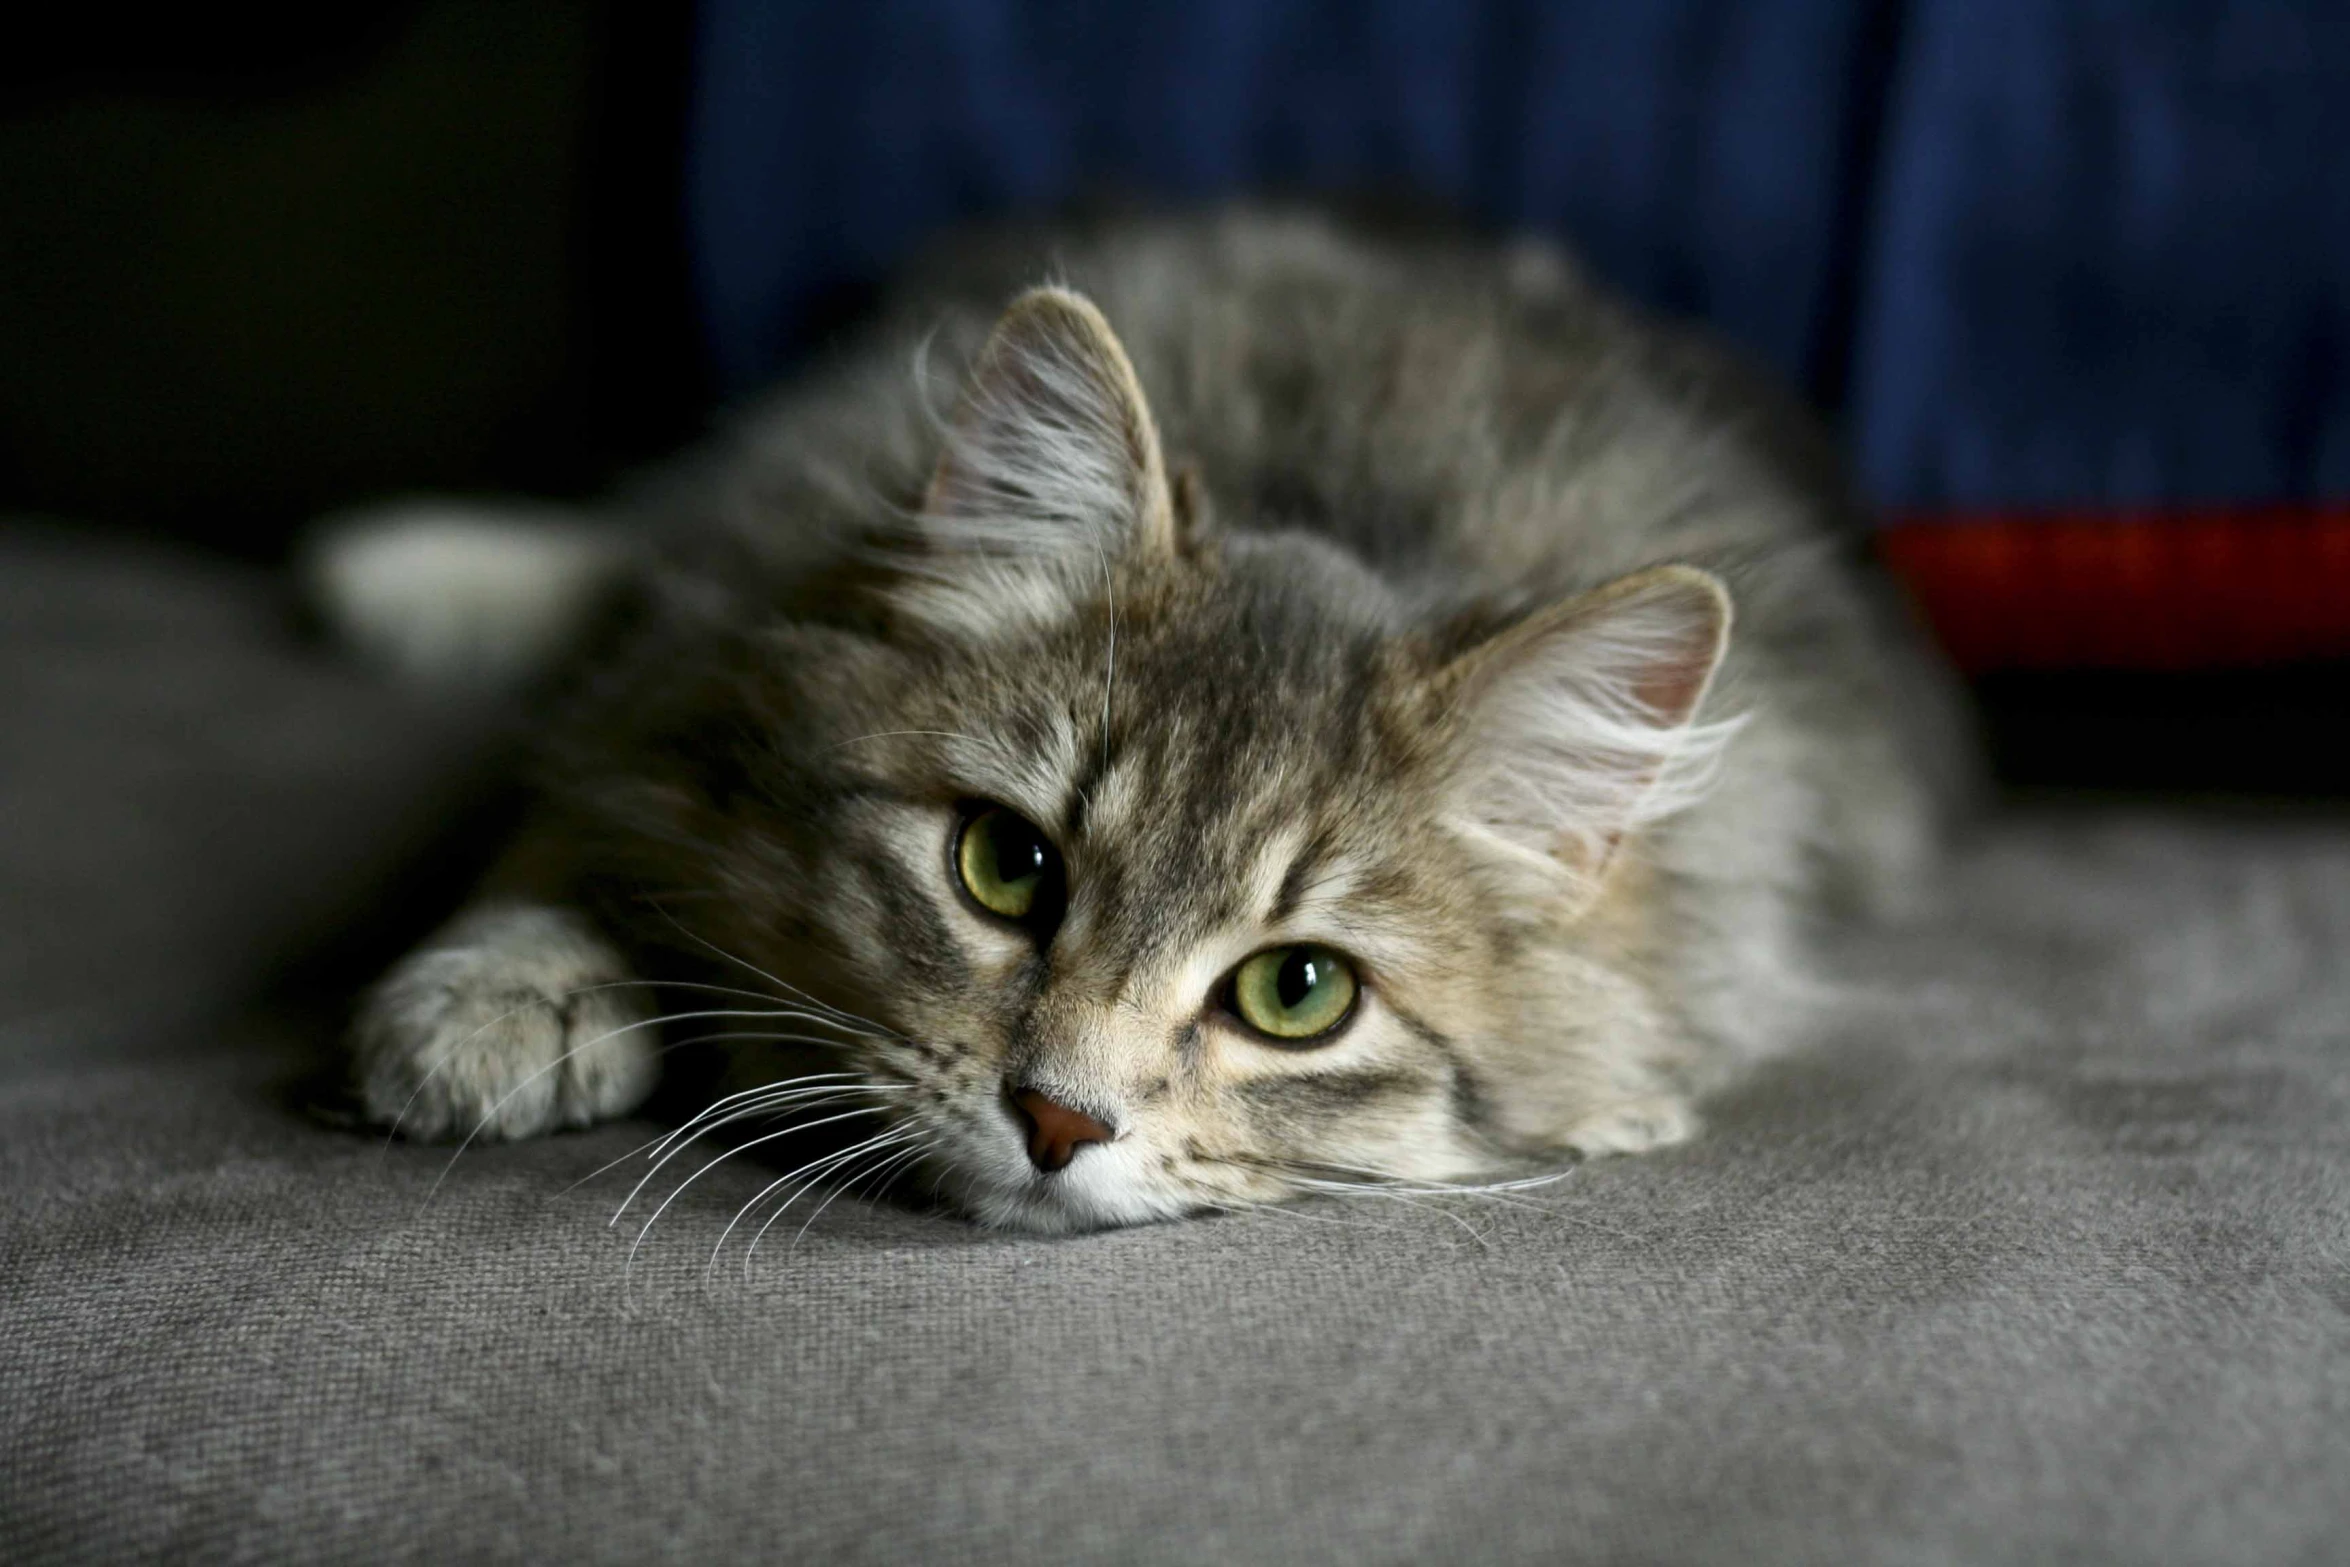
(1305, 858)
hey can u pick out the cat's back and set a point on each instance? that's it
(1439, 403)
(1476, 414)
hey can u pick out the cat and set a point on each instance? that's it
(1184, 713)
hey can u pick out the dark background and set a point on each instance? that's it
(256, 265)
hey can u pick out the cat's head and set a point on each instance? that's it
(1181, 867)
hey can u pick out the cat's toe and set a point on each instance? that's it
(497, 1039)
(1633, 1126)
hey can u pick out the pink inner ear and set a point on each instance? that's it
(1586, 730)
(1671, 689)
(1694, 617)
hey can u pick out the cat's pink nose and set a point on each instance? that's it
(1055, 1132)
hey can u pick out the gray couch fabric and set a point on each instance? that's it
(2041, 1252)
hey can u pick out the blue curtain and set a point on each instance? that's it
(2026, 252)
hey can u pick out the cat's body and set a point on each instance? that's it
(1329, 628)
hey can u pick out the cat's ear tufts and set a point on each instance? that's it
(1051, 467)
(1195, 517)
(1580, 724)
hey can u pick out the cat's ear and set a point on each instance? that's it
(1579, 724)
(1051, 468)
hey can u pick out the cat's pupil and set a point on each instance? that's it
(1019, 854)
(1006, 865)
(1299, 976)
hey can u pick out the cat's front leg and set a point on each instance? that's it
(517, 1018)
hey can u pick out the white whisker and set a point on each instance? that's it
(391, 1133)
(842, 1184)
(839, 1080)
(1407, 1199)
(813, 1169)
(863, 1023)
(884, 1142)
(1110, 658)
(806, 1098)
(645, 1149)
(491, 1113)
(656, 1141)
(769, 1105)
(721, 1159)
(816, 1098)
(892, 734)
(1498, 1192)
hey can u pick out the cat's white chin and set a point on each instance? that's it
(1101, 1189)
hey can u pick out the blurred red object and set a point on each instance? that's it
(2224, 588)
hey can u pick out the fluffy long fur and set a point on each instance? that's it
(1575, 747)
(1297, 586)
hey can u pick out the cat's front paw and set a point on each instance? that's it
(513, 1021)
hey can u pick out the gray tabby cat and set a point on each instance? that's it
(1296, 707)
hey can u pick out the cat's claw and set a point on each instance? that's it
(514, 1021)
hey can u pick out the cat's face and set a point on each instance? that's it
(1174, 869)
(1195, 890)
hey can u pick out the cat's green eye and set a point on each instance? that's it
(1294, 993)
(1005, 863)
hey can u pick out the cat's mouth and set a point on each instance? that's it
(1102, 1186)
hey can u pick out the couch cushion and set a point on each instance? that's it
(2038, 1251)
